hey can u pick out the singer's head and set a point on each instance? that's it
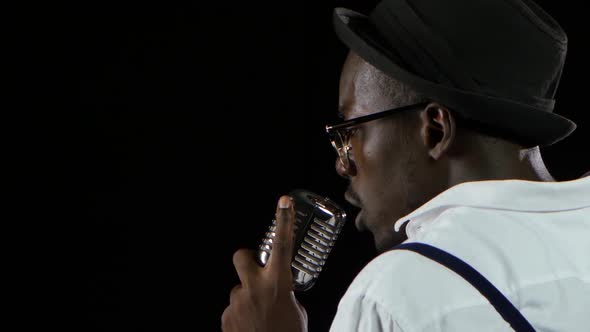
(454, 92)
(401, 160)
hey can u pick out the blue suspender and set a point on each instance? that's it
(496, 298)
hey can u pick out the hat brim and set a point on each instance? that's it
(527, 124)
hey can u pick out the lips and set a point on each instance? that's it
(352, 198)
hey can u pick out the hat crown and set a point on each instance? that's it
(496, 62)
(510, 49)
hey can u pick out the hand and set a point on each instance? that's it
(264, 301)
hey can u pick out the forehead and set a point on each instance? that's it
(360, 90)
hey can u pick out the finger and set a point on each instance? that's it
(245, 265)
(300, 307)
(233, 293)
(282, 245)
(225, 320)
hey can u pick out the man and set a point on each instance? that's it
(456, 165)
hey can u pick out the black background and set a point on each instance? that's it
(188, 124)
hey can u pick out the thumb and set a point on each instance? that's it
(282, 245)
(300, 308)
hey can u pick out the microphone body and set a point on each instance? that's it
(318, 222)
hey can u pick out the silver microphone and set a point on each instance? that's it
(318, 222)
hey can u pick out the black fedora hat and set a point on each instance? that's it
(497, 62)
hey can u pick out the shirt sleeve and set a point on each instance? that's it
(359, 313)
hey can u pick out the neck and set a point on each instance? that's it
(504, 161)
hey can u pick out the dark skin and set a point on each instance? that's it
(398, 165)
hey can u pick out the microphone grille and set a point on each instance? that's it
(318, 222)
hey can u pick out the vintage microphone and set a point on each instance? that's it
(318, 222)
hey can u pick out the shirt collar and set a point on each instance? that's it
(515, 195)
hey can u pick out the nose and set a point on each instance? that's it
(345, 172)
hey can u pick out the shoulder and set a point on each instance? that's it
(406, 288)
(511, 248)
(371, 303)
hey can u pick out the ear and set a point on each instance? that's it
(437, 129)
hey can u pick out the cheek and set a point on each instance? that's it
(381, 165)
(388, 171)
(380, 155)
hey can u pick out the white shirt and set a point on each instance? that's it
(529, 239)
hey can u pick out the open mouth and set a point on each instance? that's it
(353, 200)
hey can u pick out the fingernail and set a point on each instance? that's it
(285, 202)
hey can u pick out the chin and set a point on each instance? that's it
(359, 222)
